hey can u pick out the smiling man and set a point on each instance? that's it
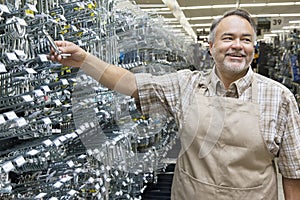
(231, 46)
(232, 122)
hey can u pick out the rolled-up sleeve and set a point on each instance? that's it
(169, 93)
(158, 94)
(289, 156)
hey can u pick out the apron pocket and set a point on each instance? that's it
(197, 189)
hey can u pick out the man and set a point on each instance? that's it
(232, 121)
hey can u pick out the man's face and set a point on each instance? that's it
(233, 47)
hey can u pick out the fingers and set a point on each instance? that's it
(55, 57)
(61, 46)
(68, 54)
(62, 43)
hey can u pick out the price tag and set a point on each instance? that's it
(70, 163)
(12, 56)
(57, 142)
(74, 28)
(91, 180)
(8, 166)
(58, 184)
(46, 88)
(47, 120)
(73, 135)
(47, 154)
(20, 161)
(20, 52)
(32, 7)
(81, 5)
(30, 71)
(62, 18)
(82, 127)
(32, 152)
(79, 131)
(82, 156)
(4, 8)
(72, 192)
(43, 57)
(66, 179)
(2, 68)
(92, 124)
(40, 195)
(47, 143)
(21, 21)
(38, 93)
(21, 122)
(2, 120)
(62, 138)
(87, 125)
(56, 130)
(103, 189)
(57, 102)
(10, 115)
(27, 98)
(64, 81)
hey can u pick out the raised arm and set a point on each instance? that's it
(111, 76)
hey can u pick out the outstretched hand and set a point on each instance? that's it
(77, 54)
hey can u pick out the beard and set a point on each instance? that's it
(228, 65)
(234, 66)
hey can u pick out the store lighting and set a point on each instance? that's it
(224, 6)
(241, 5)
(155, 9)
(201, 25)
(179, 15)
(265, 15)
(280, 31)
(201, 29)
(172, 6)
(203, 18)
(290, 27)
(270, 35)
(290, 15)
(170, 20)
(163, 12)
(152, 5)
(177, 30)
(174, 26)
(294, 22)
(203, 36)
(255, 16)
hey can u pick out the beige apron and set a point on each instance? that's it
(227, 158)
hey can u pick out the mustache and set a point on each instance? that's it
(236, 53)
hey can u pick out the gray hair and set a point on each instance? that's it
(239, 12)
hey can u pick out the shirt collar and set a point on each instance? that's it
(236, 89)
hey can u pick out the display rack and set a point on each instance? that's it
(62, 134)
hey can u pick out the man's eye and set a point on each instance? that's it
(247, 40)
(227, 38)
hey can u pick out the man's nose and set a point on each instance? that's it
(237, 44)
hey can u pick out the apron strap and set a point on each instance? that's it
(254, 90)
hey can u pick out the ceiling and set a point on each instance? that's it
(193, 17)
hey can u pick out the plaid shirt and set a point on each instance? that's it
(279, 118)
